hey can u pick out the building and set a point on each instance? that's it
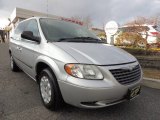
(20, 14)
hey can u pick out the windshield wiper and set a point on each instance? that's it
(81, 39)
(64, 39)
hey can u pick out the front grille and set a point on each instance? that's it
(127, 76)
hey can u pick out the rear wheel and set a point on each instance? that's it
(13, 65)
(49, 90)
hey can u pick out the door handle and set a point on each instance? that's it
(18, 48)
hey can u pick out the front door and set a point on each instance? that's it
(29, 48)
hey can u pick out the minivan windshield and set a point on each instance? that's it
(62, 31)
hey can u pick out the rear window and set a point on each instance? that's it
(157, 28)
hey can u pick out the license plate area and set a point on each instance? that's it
(132, 93)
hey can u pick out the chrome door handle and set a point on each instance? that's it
(18, 48)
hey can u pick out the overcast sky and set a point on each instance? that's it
(100, 11)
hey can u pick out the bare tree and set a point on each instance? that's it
(144, 20)
(138, 26)
(87, 21)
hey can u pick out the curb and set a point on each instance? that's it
(153, 83)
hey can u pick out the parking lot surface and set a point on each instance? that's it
(20, 100)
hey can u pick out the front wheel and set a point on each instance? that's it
(13, 65)
(49, 90)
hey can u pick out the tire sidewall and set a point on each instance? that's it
(11, 63)
(53, 104)
(13, 67)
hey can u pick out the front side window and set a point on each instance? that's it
(33, 27)
(54, 30)
(20, 28)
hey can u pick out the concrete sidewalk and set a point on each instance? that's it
(153, 83)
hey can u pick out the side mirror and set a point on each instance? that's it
(29, 36)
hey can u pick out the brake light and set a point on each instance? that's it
(154, 33)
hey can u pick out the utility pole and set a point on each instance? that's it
(47, 8)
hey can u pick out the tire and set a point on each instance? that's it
(13, 65)
(49, 90)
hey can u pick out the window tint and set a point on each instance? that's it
(33, 26)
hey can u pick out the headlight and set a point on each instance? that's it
(83, 71)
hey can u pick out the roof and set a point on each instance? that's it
(24, 14)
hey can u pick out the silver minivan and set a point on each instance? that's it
(72, 65)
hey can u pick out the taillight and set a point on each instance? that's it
(154, 33)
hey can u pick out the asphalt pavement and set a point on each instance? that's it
(20, 100)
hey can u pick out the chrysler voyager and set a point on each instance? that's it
(72, 65)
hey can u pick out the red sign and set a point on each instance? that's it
(73, 21)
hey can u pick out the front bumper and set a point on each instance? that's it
(93, 97)
(96, 93)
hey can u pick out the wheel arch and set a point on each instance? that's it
(10, 52)
(46, 62)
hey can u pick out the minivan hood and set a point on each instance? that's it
(95, 53)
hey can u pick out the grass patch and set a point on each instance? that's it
(148, 57)
(151, 73)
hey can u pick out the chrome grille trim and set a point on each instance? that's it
(127, 76)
